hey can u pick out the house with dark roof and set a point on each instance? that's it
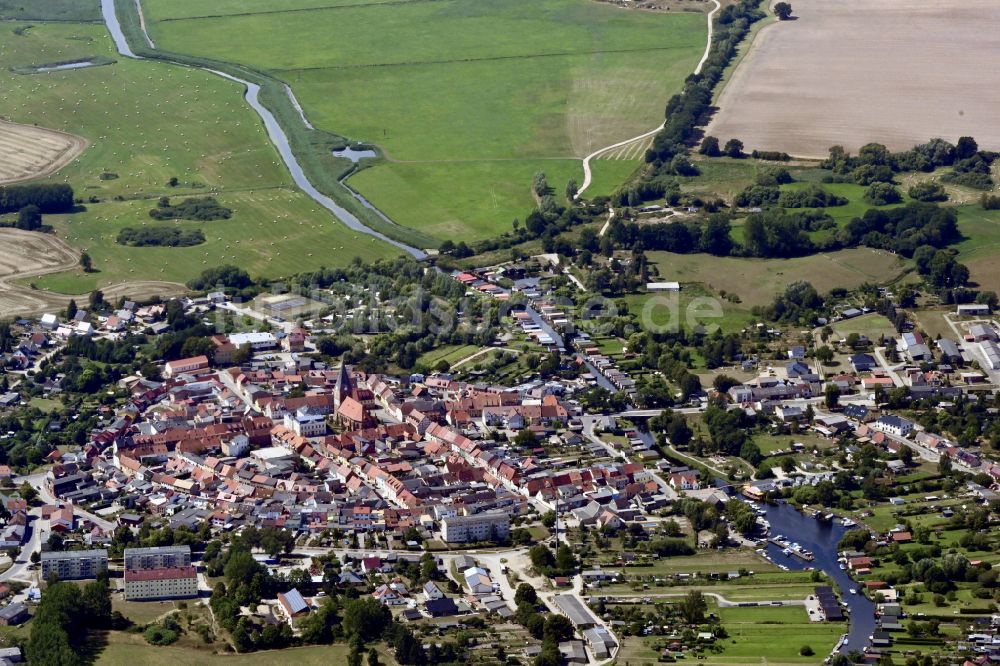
(863, 362)
(443, 607)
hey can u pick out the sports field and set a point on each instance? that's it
(466, 98)
(147, 123)
(850, 72)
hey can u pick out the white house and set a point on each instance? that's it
(478, 580)
(893, 425)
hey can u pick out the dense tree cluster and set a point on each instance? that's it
(160, 236)
(876, 163)
(59, 629)
(902, 229)
(201, 209)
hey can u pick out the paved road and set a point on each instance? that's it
(39, 533)
(890, 370)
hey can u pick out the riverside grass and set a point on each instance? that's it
(448, 89)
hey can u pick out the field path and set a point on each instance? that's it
(142, 24)
(587, 174)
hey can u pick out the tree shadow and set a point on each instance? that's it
(90, 649)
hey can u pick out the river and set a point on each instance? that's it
(274, 132)
(822, 539)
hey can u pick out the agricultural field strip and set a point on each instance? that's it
(804, 85)
(587, 174)
(515, 56)
(296, 10)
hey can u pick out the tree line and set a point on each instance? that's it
(48, 198)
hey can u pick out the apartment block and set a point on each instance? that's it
(73, 564)
(491, 526)
(157, 557)
(164, 583)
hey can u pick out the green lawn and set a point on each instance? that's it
(146, 123)
(695, 305)
(450, 353)
(873, 325)
(452, 89)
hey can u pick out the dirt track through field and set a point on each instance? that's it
(850, 72)
(28, 152)
(27, 254)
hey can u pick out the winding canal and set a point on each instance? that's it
(274, 132)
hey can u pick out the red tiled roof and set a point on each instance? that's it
(160, 574)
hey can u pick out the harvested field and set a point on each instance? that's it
(31, 253)
(850, 72)
(28, 152)
(27, 254)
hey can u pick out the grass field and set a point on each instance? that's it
(450, 353)
(978, 251)
(873, 325)
(771, 636)
(757, 281)
(51, 10)
(449, 88)
(695, 305)
(272, 233)
(129, 649)
(148, 122)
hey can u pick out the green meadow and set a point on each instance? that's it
(147, 123)
(466, 100)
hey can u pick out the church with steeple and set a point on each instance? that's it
(352, 403)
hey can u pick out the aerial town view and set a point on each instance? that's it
(499, 332)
